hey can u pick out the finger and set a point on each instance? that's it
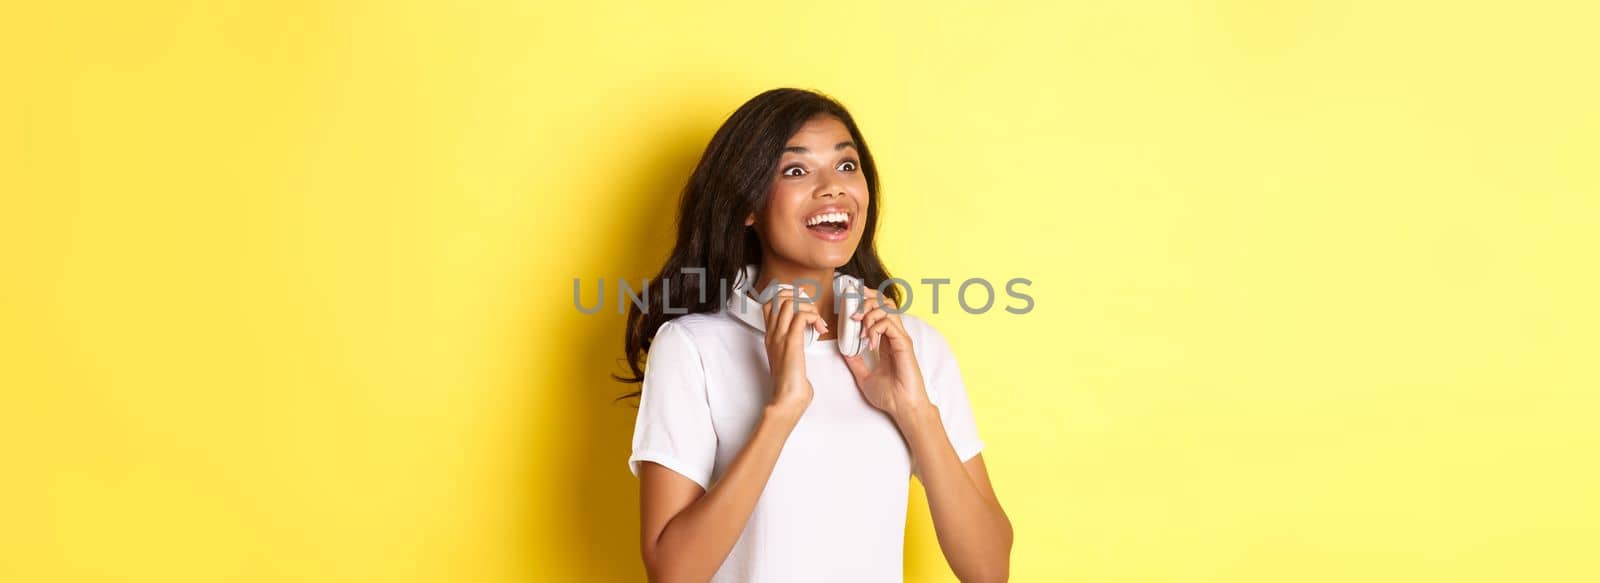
(858, 367)
(874, 333)
(797, 330)
(770, 312)
(879, 300)
(785, 315)
(877, 311)
(867, 299)
(775, 316)
(861, 312)
(875, 298)
(820, 324)
(885, 328)
(871, 319)
(867, 308)
(816, 322)
(800, 306)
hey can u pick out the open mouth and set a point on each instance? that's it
(831, 225)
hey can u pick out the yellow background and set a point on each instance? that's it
(287, 285)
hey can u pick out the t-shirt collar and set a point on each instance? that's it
(745, 308)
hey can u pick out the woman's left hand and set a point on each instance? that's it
(896, 386)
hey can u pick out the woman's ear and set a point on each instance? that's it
(750, 220)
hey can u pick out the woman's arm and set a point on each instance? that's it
(973, 530)
(687, 534)
(684, 534)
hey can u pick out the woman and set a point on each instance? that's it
(765, 455)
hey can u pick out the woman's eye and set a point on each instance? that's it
(847, 166)
(794, 171)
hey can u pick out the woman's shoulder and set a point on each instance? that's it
(696, 327)
(681, 341)
(692, 338)
(926, 339)
(920, 329)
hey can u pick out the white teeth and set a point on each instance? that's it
(827, 218)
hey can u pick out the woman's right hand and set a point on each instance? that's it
(787, 319)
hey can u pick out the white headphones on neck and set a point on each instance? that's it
(848, 292)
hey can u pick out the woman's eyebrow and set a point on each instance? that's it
(803, 150)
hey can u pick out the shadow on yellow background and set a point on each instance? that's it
(603, 495)
(287, 286)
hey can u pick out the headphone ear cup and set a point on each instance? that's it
(849, 329)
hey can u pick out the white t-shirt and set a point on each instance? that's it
(834, 508)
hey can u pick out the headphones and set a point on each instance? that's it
(848, 290)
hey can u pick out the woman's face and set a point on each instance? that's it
(818, 200)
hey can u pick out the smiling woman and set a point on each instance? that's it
(766, 457)
(819, 188)
(763, 160)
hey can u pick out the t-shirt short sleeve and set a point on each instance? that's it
(947, 391)
(674, 426)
